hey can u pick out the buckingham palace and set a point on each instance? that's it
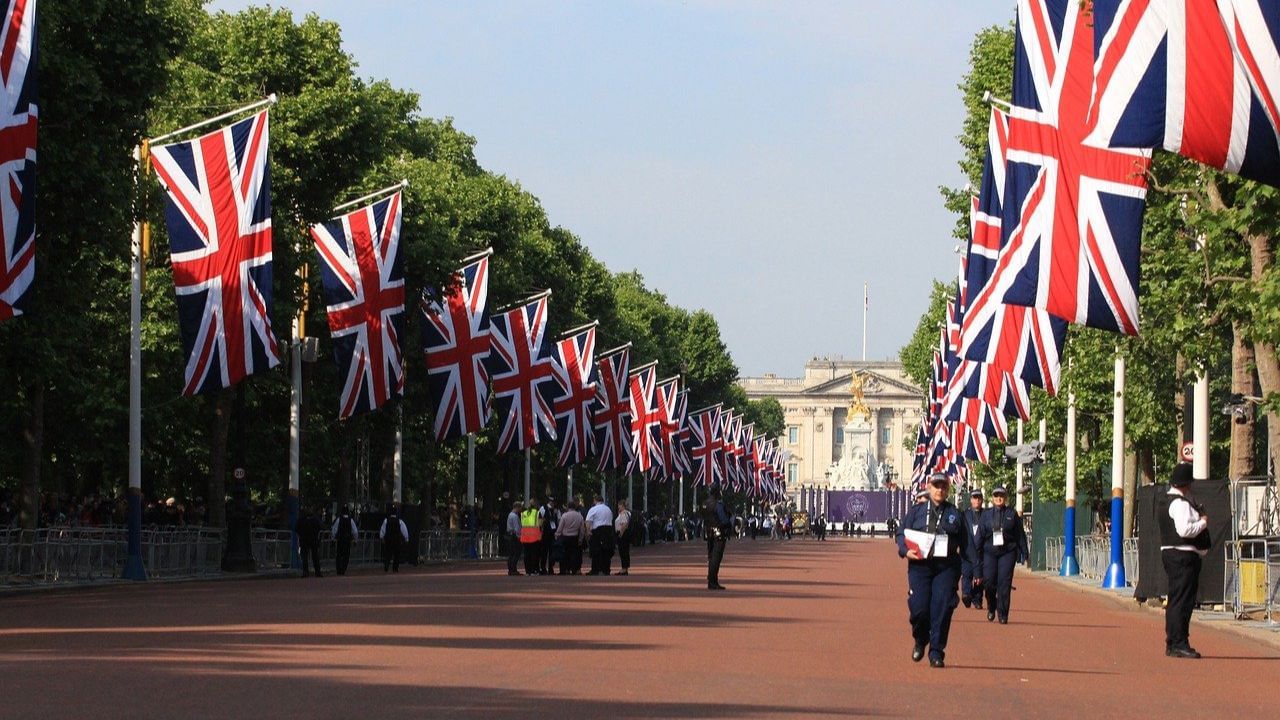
(845, 425)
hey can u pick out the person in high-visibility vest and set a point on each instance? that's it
(531, 537)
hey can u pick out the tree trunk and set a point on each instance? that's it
(1130, 490)
(33, 452)
(1147, 466)
(1242, 383)
(1260, 258)
(217, 496)
(1180, 402)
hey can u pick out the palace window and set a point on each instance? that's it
(886, 435)
(839, 433)
(793, 434)
(793, 470)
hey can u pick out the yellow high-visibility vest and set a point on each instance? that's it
(529, 530)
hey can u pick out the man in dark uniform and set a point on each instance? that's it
(344, 530)
(549, 520)
(971, 563)
(395, 535)
(717, 524)
(1184, 540)
(1003, 543)
(933, 552)
(308, 530)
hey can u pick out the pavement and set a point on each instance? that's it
(806, 629)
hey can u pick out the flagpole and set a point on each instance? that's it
(865, 301)
(133, 567)
(631, 477)
(1070, 567)
(397, 460)
(295, 436)
(1115, 577)
(1018, 503)
(376, 193)
(268, 100)
(471, 469)
(568, 495)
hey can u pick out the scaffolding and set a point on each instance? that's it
(1251, 581)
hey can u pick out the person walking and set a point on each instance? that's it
(570, 536)
(548, 520)
(932, 539)
(513, 539)
(394, 535)
(716, 524)
(1003, 543)
(622, 531)
(1184, 541)
(344, 530)
(531, 537)
(600, 527)
(308, 531)
(971, 563)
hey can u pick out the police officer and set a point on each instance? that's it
(717, 524)
(394, 535)
(971, 563)
(933, 549)
(343, 531)
(1184, 540)
(1003, 543)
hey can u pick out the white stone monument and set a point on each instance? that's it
(857, 467)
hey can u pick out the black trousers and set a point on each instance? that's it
(342, 556)
(601, 544)
(547, 556)
(390, 556)
(624, 549)
(1183, 570)
(931, 601)
(997, 581)
(715, 554)
(532, 558)
(314, 554)
(513, 554)
(572, 556)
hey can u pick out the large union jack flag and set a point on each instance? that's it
(678, 428)
(666, 432)
(646, 421)
(18, 157)
(1195, 77)
(613, 410)
(219, 220)
(1073, 210)
(455, 331)
(706, 446)
(523, 375)
(363, 277)
(575, 368)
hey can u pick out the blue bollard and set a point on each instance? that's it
(1070, 568)
(133, 567)
(1115, 579)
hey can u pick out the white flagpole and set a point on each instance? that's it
(1115, 577)
(865, 301)
(397, 460)
(471, 469)
(133, 568)
(1018, 471)
(269, 100)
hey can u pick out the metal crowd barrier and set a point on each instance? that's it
(1053, 554)
(1093, 554)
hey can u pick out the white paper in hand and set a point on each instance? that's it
(918, 540)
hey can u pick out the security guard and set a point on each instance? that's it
(717, 523)
(1184, 540)
(933, 550)
(1003, 542)
(971, 563)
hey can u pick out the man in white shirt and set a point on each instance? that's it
(600, 527)
(394, 535)
(1184, 540)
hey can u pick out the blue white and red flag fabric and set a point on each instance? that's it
(732, 426)
(523, 375)
(363, 277)
(666, 430)
(680, 434)
(612, 410)
(706, 447)
(1072, 215)
(1022, 342)
(1195, 77)
(219, 219)
(746, 455)
(646, 450)
(455, 331)
(575, 371)
(18, 157)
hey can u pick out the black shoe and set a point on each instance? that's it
(715, 586)
(623, 572)
(917, 652)
(936, 663)
(977, 604)
(1004, 619)
(1182, 652)
(991, 615)
(967, 602)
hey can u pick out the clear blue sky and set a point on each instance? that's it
(758, 159)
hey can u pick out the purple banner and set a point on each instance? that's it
(864, 506)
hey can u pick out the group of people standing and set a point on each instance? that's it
(393, 533)
(546, 536)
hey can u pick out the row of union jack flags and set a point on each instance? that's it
(593, 404)
(1055, 228)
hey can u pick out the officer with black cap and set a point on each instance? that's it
(1003, 542)
(971, 563)
(933, 539)
(1184, 540)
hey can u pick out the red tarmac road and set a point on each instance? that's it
(806, 629)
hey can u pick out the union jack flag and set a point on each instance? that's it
(613, 410)
(680, 435)
(523, 375)
(1197, 78)
(575, 368)
(747, 458)
(645, 419)
(219, 219)
(1023, 343)
(666, 399)
(733, 450)
(1073, 210)
(455, 331)
(706, 447)
(18, 157)
(363, 277)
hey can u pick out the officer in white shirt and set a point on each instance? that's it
(600, 529)
(1184, 540)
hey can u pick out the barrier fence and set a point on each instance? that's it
(50, 556)
(1093, 553)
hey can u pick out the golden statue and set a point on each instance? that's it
(858, 405)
